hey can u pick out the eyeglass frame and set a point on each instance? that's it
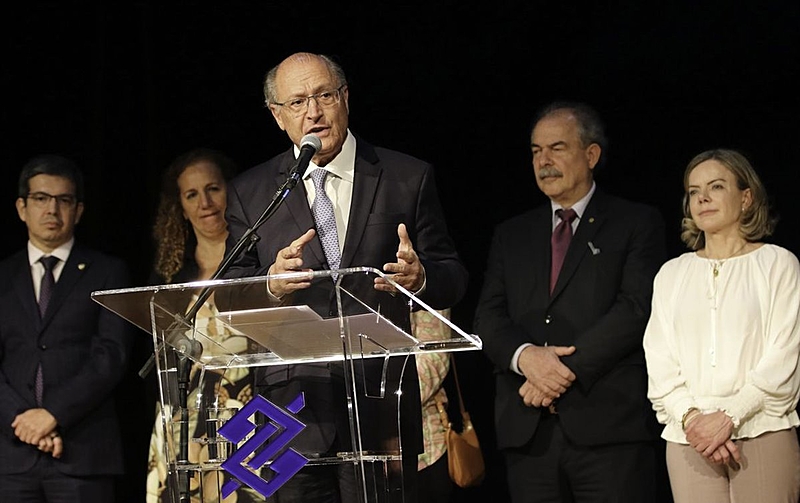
(67, 200)
(307, 99)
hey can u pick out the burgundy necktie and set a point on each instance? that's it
(559, 243)
(45, 292)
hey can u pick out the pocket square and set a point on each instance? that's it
(595, 251)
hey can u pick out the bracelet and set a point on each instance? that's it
(686, 416)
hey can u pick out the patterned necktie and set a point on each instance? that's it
(325, 220)
(559, 243)
(48, 282)
(45, 292)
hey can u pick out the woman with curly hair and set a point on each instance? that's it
(190, 233)
(190, 229)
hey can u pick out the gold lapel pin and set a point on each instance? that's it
(81, 266)
(591, 220)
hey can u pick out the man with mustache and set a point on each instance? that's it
(565, 301)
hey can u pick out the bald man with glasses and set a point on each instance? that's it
(358, 205)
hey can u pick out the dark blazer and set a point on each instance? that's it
(600, 305)
(389, 188)
(83, 349)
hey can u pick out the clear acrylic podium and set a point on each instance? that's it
(214, 444)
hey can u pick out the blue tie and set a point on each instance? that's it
(325, 219)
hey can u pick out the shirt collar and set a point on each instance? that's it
(343, 165)
(579, 207)
(62, 252)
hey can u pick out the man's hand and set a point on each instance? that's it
(706, 433)
(290, 259)
(33, 425)
(533, 396)
(542, 367)
(52, 443)
(408, 271)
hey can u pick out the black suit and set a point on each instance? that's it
(83, 350)
(389, 188)
(600, 304)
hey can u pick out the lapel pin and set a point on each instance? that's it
(595, 251)
(591, 220)
(81, 266)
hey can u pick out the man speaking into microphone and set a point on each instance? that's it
(359, 205)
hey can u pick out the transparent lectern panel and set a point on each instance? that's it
(170, 313)
(334, 361)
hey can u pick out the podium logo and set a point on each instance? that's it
(267, 445)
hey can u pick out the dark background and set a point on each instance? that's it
(124, 87)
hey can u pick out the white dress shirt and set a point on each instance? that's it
(37, 268)
(338, 184)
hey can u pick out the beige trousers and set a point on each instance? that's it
(769, 473)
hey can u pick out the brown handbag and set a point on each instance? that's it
(464, 456)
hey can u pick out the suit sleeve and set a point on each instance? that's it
(111, 342)
(247, 264)
(445, 276)
(618, 334)
(11, 404)
(501, 336)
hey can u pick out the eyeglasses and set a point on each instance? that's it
(323, 99)
(42, 199)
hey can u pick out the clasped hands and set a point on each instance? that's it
(407, 271)
(38, 427)
(710, 435)
(546, 377)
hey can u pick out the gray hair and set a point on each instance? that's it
(270, 93)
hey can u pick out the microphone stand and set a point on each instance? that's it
(245, 243)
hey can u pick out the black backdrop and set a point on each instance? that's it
(124, 87)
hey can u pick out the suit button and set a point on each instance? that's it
(43, 347)
(548, 319)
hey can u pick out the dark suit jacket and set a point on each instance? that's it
(600, 305)
(83, 349)
(389, 188)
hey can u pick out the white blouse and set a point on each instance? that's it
(728, 341)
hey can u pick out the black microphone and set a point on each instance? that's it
(309, 145)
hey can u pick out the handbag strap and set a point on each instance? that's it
(466, 421)
(446, 424)
(458, 387)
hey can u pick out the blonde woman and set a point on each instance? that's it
(723, 341)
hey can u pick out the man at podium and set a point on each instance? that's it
(357, 205)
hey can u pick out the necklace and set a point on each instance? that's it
(716, 264)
